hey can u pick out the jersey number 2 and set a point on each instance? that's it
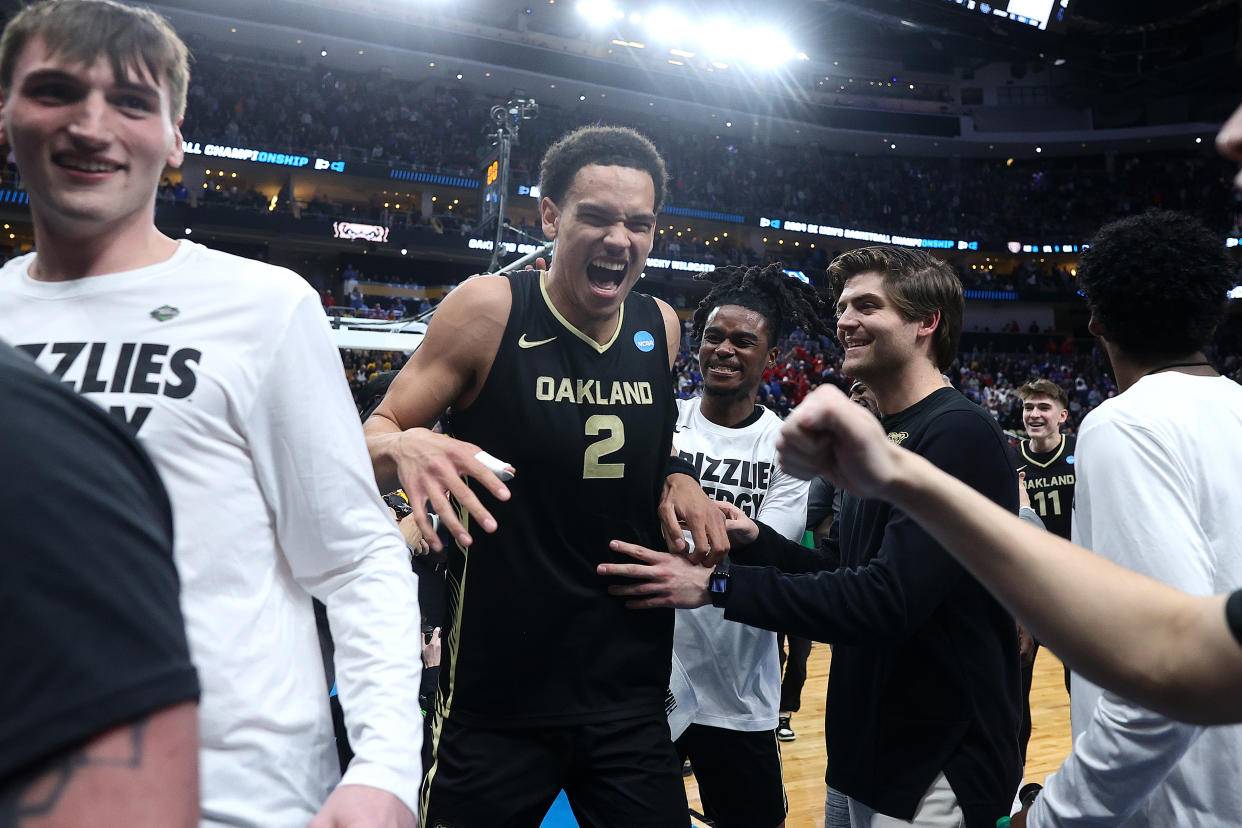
(592, 468)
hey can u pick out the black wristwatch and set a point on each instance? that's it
(719, 583)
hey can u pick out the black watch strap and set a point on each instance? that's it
(719, 583)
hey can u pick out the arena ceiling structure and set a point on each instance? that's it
(1132, 74)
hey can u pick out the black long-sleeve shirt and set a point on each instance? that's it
(925, 673)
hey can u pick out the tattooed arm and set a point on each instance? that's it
(143, 774)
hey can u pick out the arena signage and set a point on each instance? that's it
(367, 232)
(792, 226)
(262, 156)
(1022, 247)
(510, 247)
(653, 263)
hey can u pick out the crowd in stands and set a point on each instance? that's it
(241, 102)
(442, 126)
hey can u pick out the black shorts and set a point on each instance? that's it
(620, 774)
(739, 775)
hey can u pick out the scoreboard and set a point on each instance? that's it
(489, 187)
(1037, 13)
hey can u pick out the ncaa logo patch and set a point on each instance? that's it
(644, 341)
(1070, 459)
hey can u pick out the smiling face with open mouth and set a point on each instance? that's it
(91, 147)
(878, 339)
(736, 349)
(603, 230)
(1042, 417)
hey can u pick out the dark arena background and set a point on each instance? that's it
(386, 150)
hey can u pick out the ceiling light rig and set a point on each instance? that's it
(721, 42)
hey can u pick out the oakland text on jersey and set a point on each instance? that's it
(1045, 482)
(121, 368)
(593, 392)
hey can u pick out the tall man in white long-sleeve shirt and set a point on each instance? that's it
(225, 371)
(1157, 493)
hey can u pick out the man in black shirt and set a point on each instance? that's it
(99, 721)
(922, 710)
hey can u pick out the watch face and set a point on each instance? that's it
(718, 582)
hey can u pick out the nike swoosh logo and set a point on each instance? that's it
(523, 342)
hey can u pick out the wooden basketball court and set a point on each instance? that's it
(804, 762)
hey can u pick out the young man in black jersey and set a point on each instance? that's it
(1047, 462)
(922, 710)
(546, 682)
(1047, 454)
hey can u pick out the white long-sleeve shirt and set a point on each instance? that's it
(225, 369)
(1157, 493)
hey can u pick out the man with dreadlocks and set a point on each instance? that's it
(731, 441)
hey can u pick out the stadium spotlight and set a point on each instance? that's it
(597, 12)
(666, 25)
(767, 47)
(720, 38)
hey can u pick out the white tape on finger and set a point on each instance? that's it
(495, 465)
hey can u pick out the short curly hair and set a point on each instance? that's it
(1158, 282)
(606, 146)
(784, 302)
(917, 283)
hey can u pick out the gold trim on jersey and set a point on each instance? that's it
(543, 288)
(1055, 457)
(456, 601)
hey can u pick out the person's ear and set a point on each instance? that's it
(551, 217)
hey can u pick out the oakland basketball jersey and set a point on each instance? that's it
(1050, 483)
(534, 638)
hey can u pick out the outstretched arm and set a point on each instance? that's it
(448, 369)
(1161, 647)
